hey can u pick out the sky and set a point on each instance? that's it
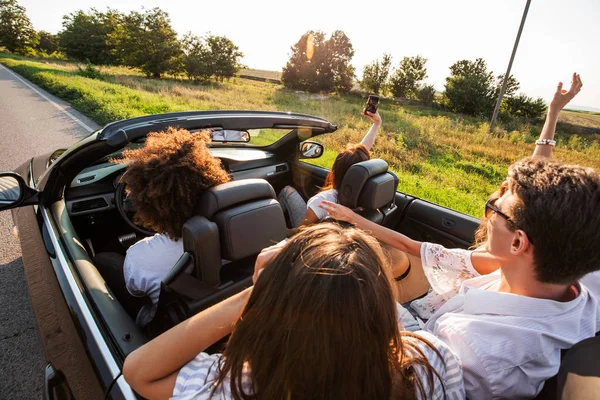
(560, 37)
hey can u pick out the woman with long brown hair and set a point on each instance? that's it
(319, 323)
(302, 213)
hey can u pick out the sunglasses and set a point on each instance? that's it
(490, 206)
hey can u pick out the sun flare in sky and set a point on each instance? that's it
(559, 37)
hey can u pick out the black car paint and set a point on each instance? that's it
(51, 177)
(28, 169)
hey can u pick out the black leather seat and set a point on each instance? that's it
(235, 221)
(369, 189)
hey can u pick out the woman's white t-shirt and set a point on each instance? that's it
(146, 264)
(197, 379)
(313, 202)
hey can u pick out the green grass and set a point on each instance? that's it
(449, 159)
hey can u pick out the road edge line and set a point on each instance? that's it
(59, 107)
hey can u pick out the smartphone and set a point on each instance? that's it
(372, 103)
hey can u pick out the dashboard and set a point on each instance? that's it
(93, 188)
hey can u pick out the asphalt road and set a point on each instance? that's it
(31, 123)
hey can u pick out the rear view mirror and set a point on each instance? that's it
(226, 135)
(14, 192)
(311, 150)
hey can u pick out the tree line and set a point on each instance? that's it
(317, 63)
(144, 40)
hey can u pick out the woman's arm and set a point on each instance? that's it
(152, 369)
(559, 101)
(393, 238)
(369, 138)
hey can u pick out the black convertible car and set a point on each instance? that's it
(69, 206)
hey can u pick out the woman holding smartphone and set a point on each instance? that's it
(302, 213)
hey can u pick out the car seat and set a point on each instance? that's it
(234, 222)
(369, 189)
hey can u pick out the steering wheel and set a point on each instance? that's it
(126, 209)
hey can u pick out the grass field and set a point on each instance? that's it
(442, 157)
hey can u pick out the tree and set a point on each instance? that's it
(210, 56)
(472, 89)
(16, 31)
(48, 42)
(224, 57)
(148, 41)
(426, 94)
(197, 60)
(319, 64)
(87, 36)
(375, 75)
(407, 78)
(523, 106)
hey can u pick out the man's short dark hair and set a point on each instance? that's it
(559, 210)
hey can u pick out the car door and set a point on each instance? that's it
(308, 179)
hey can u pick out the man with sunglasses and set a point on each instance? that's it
(509, 307)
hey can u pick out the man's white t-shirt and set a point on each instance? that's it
(146, 264)
(313, 202)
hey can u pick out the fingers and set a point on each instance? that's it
(578, 83)
(263, 258)
(559, 88)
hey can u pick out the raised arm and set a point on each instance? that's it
(369, 138)
(393, 238)
(559, 101)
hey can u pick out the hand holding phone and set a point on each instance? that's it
(372, 103)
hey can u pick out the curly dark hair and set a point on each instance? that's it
(166, 177)
(557, 208)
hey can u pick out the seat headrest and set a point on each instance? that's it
(231, 193)
(368, 184)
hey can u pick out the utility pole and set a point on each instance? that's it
(512, 57)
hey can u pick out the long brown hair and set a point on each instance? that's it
(321, 323)
(166, 177)
(350, 155)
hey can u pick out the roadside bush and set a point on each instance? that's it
(524, 106)
(90, 71)
(472, 89)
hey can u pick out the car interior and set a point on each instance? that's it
(233, 223)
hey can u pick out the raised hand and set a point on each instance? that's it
(562, 97)
(374, 117)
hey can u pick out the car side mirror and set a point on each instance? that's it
(14, 192)
(311, 150)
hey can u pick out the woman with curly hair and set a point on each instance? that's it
(320, 322)
(164, 179)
